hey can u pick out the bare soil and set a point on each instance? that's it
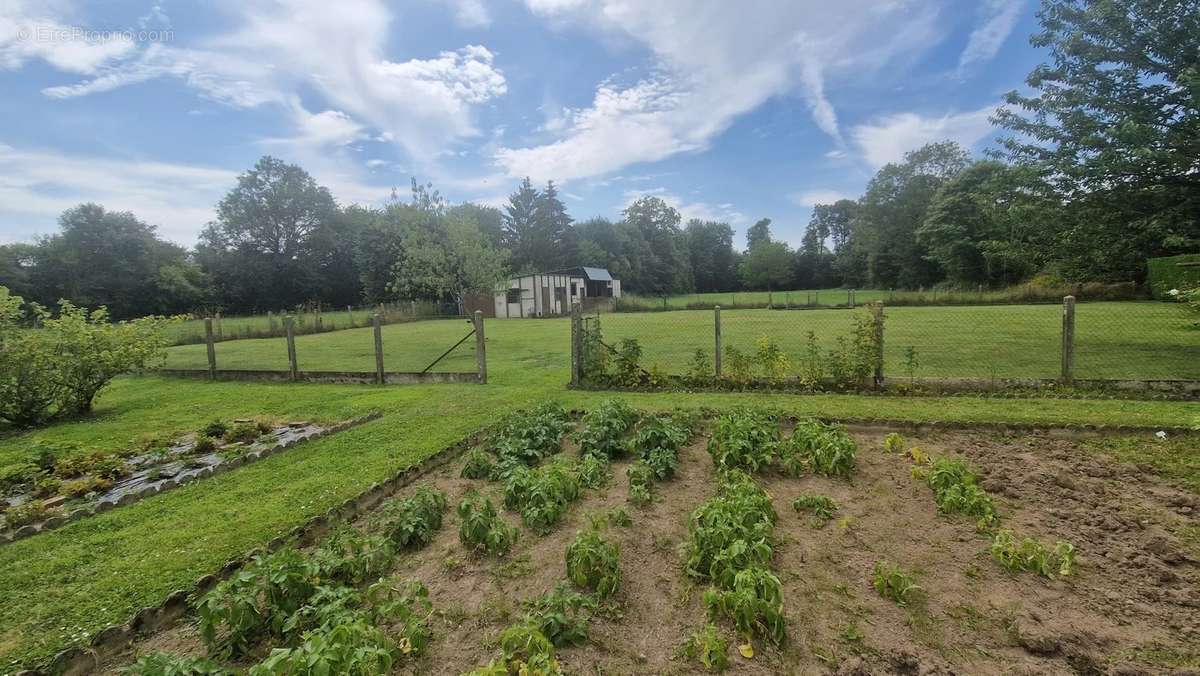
(1131, 607)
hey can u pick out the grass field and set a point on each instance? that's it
(1135, 340)
(62, 586)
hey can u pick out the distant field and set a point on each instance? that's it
(1137, 340)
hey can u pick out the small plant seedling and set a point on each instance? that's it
(482, 528)
(893, 583)
(1032, 556)
(708, 648)
(893, 443)
(820, 506)
(641, 477)
(592, 563)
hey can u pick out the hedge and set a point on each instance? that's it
(1167, 273)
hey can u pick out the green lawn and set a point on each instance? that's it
(1135, 340)
(60, 587)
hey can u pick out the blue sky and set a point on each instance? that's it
(728, 110)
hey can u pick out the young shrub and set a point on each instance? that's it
(956, 490)
(111, 467)
(412, 521)
(708, 648)
(641, 476)
(627, 367)
(482, 529)
(893, 583)
(164, 664)
(737, 367)
(603, 429)
(745, 439)
(246, 433)
(819, 505)
(478, 464)
(822, 449)
(81, 487)
(592, 563)
(561, 615)
(754, 603)
(893, 443)
(204, 445)
(700, 367)
(350, 557)
(771, 359)
(214, 430)
(1031, 556)
(593, 471)
(541, 495)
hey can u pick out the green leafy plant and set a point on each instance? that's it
(771, 359)
(737, 367)
(819, 505)
(29, 512)
(603, 429)
(1030, 555)
(355, 648)
(46, 485)
(478, 464)
(215, 429)
(353, 558)
(412, 521)
(592, 562)
(744, 438)
(700, 367)
(204, 445)
(111, 467)
(481, 527)
(731, 531)
(820, 448)
(81, 487)
(641, 477)
(541, 495)
(163, 664)
(893, 443)
(245, 433)
(593, 471)
(893, 583)
(530, 436)
(708, 648)
(561, 615)
(524, 651)
(754, 602)
(956, 489)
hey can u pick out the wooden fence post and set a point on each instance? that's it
(480, 348)
(212, 350)
(576, 344)
(293, 369)
(878, 344)
(717, 338)
(379, 373)
(1068, 341)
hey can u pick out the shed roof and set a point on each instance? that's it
(591, 274)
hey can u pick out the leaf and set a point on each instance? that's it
(746, 650)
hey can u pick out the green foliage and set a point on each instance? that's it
(657, 441)
(29, 512)
(641, 477)
(731, 531)
(524, 651)
(956, 490)
(481, 527)
(541, 494)
(81, 487)
(164, 664)
(1167, 273)
(593, 471)
(561, 615)
(215, 429)
(350, 557)
(46, 485)
(700, 367)
(204, 445)
(529, 436)
(411, 522)
(771, 359)
(893, 583)
(708, 648)
(58, 368)
(592, 563)
(852, 362)
(1032, 556)
(744, 438)
(246, 433)
(820, 448)
(737, 367)
(355, 648)
(893, 443)
(604, 428)
(754, 602)
(478, 464)
(111, 467)
(821, 506)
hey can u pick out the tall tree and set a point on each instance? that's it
(1113, 124)
(552, 241)
(261, 247)
(767, 263)
(520, 224)
(666, 268)
(759, 232)
(826, 257)
(448, 263)
(710, 250)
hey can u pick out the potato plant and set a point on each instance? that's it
(164, 664)
(731, 531)
(524, 650)
(822, 449)
(821, 507)
(593, 563)
(356, 648)
(541, 495)
(478, 464)
(561, 615)
(604, 429)
(350, 557)
(754, 603)
(956, 490)
(893, 443)
(893, 583)
(482, 528)
(593, 471)
(529, 436)
(411, 522)
(708, 648)
(745, 439)
(1032, 556)
(641, 477)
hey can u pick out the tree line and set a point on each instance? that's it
(1098, 169)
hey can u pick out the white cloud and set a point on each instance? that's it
(713, 65)
(723, 213)
(470, 13)
(889, 138)
(28, 31)
(999, 19)
(334, 49)
(37, 185)
(813, 197)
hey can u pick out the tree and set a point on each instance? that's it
(710, 252)
(819, 266)
(553, 244)
(1114, 126)
(759, 232)
(767, 263)
(262, 248)
(519, 226)
(448, 263)
(665, 268)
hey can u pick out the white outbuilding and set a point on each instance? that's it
(547, 294)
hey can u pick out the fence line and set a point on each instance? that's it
(378, 376)
(1121, 345)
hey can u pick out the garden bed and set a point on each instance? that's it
(1129, 599)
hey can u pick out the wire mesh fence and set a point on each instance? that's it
(1112, 341)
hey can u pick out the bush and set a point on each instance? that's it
(481, 527)
(163, 664)
(956, 490)
(478, 464)
(58, 368)
(243, 432)
(81, 487)
(215, 429)
(411, 522)
(745, 439)
(592, 563)
(29, 512)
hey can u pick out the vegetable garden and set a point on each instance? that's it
(628, 542)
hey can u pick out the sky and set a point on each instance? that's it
(729, 111)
